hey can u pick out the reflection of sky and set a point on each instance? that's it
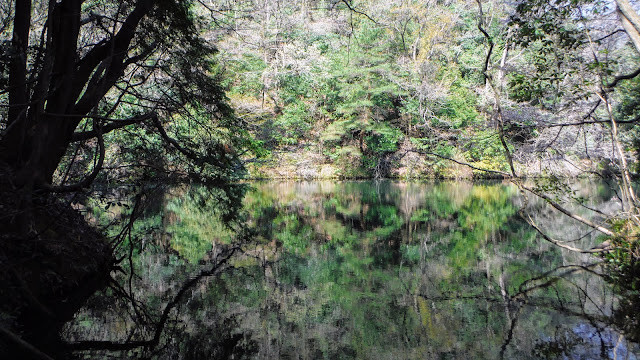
(593, 339)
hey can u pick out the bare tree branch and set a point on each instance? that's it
(423, 152)
(619, 78)
(496, 92)
(346, 2)
(530, 221)
(489, 40)
(567, 212)
(113, 125)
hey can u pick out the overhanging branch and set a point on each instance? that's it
(567, 212)
(504, 174)
(114, 124)
(530, 221)
(186, 152)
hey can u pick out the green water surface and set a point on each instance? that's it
(365, 269)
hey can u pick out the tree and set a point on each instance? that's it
(86, 84)
(78, 70)
(577, 62)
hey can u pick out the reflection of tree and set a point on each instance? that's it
(462, 231)
(533, 294)
(625, 277)
(143, 315)
(156, 326)
(334, 271)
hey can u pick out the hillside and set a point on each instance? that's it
(401, 88)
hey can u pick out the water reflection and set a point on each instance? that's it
(359, 270)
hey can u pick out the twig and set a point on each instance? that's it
(567, 212)
(346, 2)
(504, 174)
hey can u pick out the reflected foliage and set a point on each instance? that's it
(366, 270)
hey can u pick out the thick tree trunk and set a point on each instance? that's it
(46, 147)
(33, 143)
(41, 124)
(18, 94)
(630, 21)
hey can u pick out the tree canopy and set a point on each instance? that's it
(78, 72)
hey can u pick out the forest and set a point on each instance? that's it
(143, 140)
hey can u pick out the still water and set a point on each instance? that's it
(372, 270)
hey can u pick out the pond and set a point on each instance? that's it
(356, 269)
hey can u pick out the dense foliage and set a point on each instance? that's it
(397, 88)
